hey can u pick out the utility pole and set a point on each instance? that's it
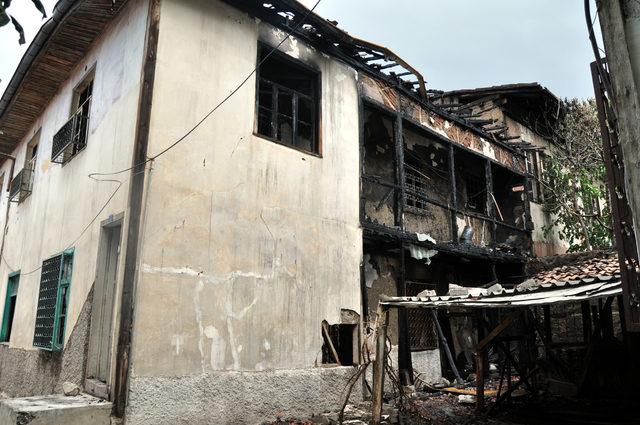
(618, 75)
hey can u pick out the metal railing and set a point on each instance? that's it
(21, 185)
(71, 138)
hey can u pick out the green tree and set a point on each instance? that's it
(575, 179)
(5, 17)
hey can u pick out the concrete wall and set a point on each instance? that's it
(247, 245)
(64, 200)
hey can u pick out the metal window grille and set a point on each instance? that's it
(21, 185)
(53, 297)
(422, 328)
(72, 137)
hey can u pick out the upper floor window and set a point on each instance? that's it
(22, 184)
(535, 169)
(287, 102)
(72, 137)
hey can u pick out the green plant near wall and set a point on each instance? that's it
(5, 17)
(575, 180)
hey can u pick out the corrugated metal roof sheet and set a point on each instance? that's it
(545, 294)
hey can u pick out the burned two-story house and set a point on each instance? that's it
(203, 201)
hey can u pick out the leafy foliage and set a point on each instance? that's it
(5, 18)
(575, 180)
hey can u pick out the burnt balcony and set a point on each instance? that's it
(71, 138)
(21, 185)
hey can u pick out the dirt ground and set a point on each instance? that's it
(446, 409)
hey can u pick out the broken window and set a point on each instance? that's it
(508, 196)
(426, 169)
(287, 102)
(53, 301)
(379, 168)
(339, 344)
(9, 307)
(471, 184)
(535, 168)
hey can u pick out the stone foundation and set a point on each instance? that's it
(38, 372)
(237, 397)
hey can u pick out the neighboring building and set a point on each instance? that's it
(522, 115)
(217, 281)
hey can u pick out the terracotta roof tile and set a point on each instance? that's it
(605, 265)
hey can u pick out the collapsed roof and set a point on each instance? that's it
(528, 103)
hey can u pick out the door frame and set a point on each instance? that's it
(94, 386)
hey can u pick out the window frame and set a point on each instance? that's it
(5, 329)
(59, 322)
(76, 106)
(535, 170)
(316, 99)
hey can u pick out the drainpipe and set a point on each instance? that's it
(6, 216)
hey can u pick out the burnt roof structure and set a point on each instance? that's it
(529, 103)
(67, 36)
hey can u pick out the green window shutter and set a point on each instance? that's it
(53, 300)
(9, 306)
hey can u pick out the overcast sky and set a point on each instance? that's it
(454, 43)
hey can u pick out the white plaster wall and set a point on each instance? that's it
(247, 245)
(64, 200)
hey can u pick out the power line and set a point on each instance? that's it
(174, 144)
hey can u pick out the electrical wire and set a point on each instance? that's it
(172, 145)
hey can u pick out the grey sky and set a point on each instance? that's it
(454, 43)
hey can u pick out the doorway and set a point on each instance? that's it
(104, 292)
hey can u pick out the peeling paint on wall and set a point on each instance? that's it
(370, 273)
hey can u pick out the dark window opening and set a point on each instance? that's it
(287, 102)
(341, 343)
(426, 170)
(471, 184)
(508, 196)
(379, 146)
(83, 105)
(9, 307)
(535, 169)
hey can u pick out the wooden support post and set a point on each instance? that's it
(586, 321)
(445, 346)
(480, 379)
(480, 355)
(379, 364)
(548, 334)
(405, 368)
(454, 196)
